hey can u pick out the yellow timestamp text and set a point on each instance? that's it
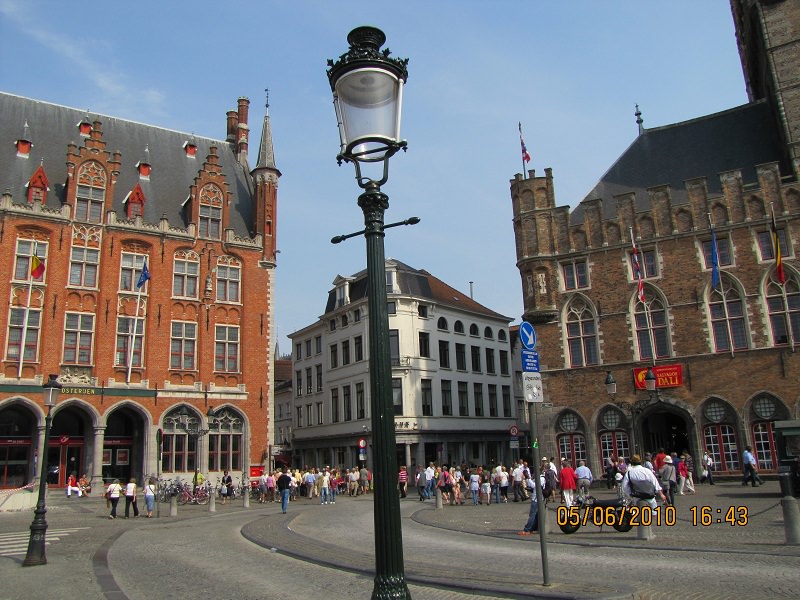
(704, 516)
(613, 516)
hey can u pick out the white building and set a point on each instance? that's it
(451, 375)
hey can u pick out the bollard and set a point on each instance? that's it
(791, 513)
(438, 499)
(212, 502)
(245, 497)
(173, 506)
(643, 532)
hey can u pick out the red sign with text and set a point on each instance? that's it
(666, 376)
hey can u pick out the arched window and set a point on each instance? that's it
(185, 274)
(783, 303)
(719, 435)
(581, 329)
(458, 327)
(728, 319)
(651, 328)
(226, 441)
(473, 330)
(441, 324)
(179, 446)
(210, 212)
(91, 193)
(765, 411)
(571, 440)
(488, 333)
(613, 439)
(501, 336)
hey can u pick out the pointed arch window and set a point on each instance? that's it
(571, 439)
(581, 330)
(179, 450)
(210, 212)
(186, 274)
(727, 313)
(229, 279)
(651, 328)
(91, 193)
(226, 441)
(783, 304)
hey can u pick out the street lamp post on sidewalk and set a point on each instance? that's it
(367, 90)
(36, 546)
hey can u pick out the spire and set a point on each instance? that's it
(639, 120)
(266, 153)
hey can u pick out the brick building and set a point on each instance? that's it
(100, 203)
(725, 355)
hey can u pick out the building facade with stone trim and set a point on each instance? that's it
(178, 354)
(451, 376)
(726, 355)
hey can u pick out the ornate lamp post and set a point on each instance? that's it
(36, 553)
(367, 90)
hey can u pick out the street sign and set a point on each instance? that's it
(530, 361)
(532, 387)
(514, 444)
(362, 443)
(513, 431)
(527, 335)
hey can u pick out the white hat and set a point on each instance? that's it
(544, 458)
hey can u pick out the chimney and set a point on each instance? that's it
(233, 122)
(243, 134)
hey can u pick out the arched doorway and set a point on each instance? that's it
(17, 429)
(68, 450)
(665, 429)
(123, 447)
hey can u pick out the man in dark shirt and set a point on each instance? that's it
(284, 487)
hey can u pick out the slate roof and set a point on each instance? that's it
(420, 284)
(736, 139)
(52, 127)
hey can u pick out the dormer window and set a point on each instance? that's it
(38, 186)
(341, 295)
(24, 143)
(91, 193)
(134, 203)
(190, 148)
(211, 212)
(144, 170)
(85, 127)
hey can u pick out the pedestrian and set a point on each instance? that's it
(85, 485)
(689, 481)
(150, 496)
(532, 523)
(226, 489)
(668, 479)
(336, 481)
(750, 468)
(72, 485)
(457, 479)
(430, 480)
(708, 468)
(567, 482)
(402, 481)
(130, 498)
(284, 485)
(504, 481)
(486, 485)
(640, 482)
(324, 487)
(112, 495)
(271, 487)
(611, 471)
(585, 478)
(363, 480)
(262, 486)
(517, 481)
(475, 486)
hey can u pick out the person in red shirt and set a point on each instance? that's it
(567, 482)
(72, 486)
(402, 481)
(658, 461)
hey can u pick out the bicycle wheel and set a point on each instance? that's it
(184, 496)
(202, 496)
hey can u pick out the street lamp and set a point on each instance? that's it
(36, 552)
(367, 88)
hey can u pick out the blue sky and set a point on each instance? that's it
(570, 71)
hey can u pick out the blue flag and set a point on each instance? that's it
(714, 261)
(143, 277)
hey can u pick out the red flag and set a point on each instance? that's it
(37, 267)
(779, 272)
(637, 271)
(525, 156)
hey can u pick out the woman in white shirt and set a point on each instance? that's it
(112, 495)
(130, 499)
(150, 496)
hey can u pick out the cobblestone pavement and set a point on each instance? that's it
(453, 553)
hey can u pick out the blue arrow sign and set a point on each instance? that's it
(527, 335)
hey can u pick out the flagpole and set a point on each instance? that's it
(27, 312)
(779, 266)
(133, 337)
(524, 150)
(640, 298)
(715, 253)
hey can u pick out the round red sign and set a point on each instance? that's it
(362, 443)
(513, 430)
